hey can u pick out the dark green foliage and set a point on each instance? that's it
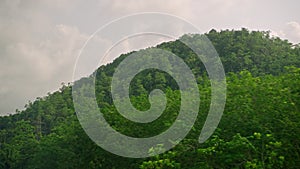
(260, 127)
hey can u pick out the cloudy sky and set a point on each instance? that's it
(40, 40)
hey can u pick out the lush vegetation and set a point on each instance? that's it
(260, 127)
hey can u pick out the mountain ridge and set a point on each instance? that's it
(262, 75)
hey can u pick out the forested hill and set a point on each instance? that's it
(260, 127)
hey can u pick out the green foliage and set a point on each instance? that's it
(165, 161)
(254, 151)
(260, 127)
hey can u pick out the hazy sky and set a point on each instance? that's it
(40, 40)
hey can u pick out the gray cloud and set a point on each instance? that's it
(36, 54)
(40, 40)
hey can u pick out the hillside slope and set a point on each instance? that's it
(260, 127)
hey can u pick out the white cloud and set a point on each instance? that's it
(289, 31)
(279, 34)
(36, 55)
(177, 7)
(292, 31)
(39, 40)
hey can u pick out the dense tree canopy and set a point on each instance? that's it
(260, 127)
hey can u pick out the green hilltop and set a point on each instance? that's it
(260, 127)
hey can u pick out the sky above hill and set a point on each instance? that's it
(40, 40)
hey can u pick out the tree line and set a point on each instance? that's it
(260, 127)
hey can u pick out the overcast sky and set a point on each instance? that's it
(40, 40)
